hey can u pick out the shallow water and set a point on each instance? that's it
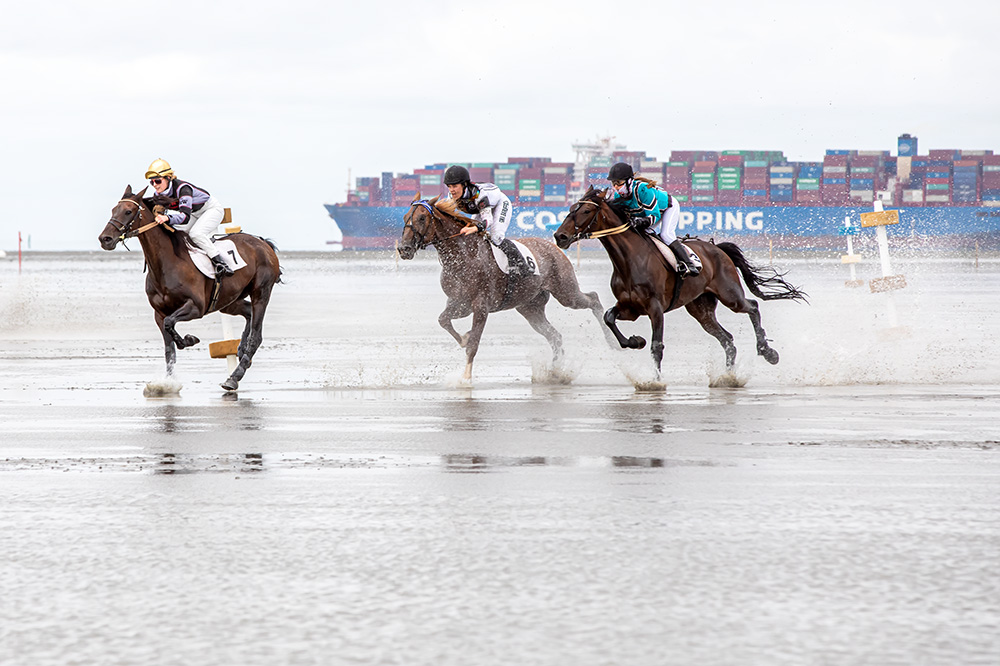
(355, 502)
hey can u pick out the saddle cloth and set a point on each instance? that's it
(529, 258)
(667, 253)
(227, 250)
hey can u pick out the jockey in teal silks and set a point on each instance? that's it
(647, 206)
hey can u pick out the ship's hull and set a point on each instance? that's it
(366, 227)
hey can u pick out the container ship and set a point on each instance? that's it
(749, 196)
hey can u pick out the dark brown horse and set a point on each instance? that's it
(645, 286)
(476, 286)
(178, 291)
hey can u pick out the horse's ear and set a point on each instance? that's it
(434, 200)
(416, 197)
(128, 192)
(143, 191)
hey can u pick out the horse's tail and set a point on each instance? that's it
(274, 248)
(764, 282)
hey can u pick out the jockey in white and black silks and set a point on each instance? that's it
(491, 209)
(647, 206)
(190, 209)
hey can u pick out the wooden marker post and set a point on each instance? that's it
(889, 282)
(880, 219)
(850, 258)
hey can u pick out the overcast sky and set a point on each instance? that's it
(268, 105)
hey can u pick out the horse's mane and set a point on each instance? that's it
(597, 196)
(450, 208)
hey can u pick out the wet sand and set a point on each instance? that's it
(356, 503)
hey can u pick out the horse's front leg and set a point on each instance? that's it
(454, 310)
(479, 315)
(169, 349)
(655, 315)
(633, 342)
(186, 312)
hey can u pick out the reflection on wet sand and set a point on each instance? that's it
(469, 463)
(172, 416)
(179, 463)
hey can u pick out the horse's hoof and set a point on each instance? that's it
(636, 342)
(190, 340)
(770, 356)
(230, 384)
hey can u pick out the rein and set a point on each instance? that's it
(127, 232)
(426, 206)
(601, 233)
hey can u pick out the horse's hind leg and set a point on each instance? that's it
(241, 309)
(252, 336)
(734, 299)
(566, 289)
(534, 312)
(703, 309)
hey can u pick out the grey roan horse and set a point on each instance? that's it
(476, 286)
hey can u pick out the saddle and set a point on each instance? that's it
(665, 250)
(503, 261)
(227, 250)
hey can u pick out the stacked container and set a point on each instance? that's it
(730, 179)
(990, 191)
(834, 186)
(505, 178)
(597, 171)
(404, 189)
(480, 173)
(652, 170)
(807, 185)
(937, 181)
(703, 182)
(782, 183)
(430, 181)
(677, 179)
(529, 185)
(755, 182)
(557, 179)
(965, 181)
(864, 174)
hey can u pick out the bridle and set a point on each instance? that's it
(584, 234)
(125, 229)
(421, 242)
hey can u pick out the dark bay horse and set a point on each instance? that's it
(178, 291)
(476, 286)
(645, 286)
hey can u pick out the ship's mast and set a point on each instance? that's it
(585, 151)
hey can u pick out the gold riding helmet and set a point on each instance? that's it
(160, 168)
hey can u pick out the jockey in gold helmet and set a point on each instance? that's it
(190, 209)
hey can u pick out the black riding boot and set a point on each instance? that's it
(685, 267)
(222, 269)
(514, 259)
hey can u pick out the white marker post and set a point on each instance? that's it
(889, 282)
(228, 346)
(850, 258)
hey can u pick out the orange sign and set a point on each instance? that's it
(880, 219)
